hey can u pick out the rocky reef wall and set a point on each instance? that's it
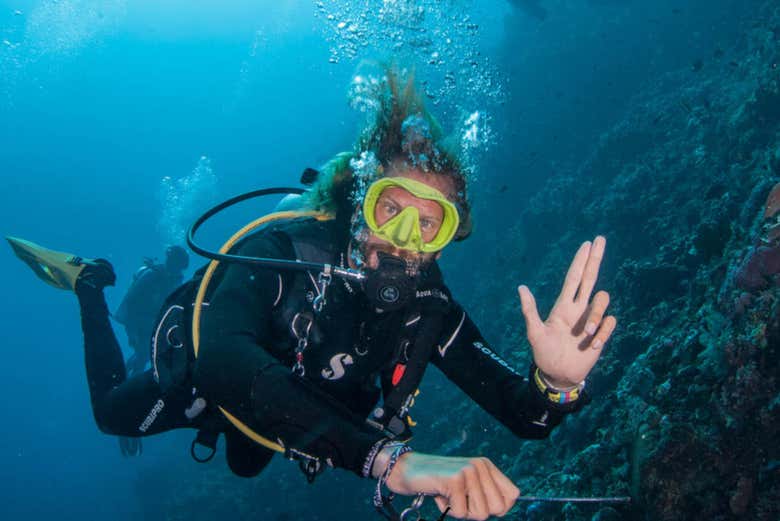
(686, 404)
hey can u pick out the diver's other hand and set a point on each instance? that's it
(567, 345)
(473, 488)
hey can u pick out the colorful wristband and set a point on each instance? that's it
(556, 395)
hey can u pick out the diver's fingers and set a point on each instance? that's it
(509, 491)
(441, 502)
(475, 492)
(602, 335)
(574, 275)
(591, 271)
(458, 504)
(533, 322)
(496, 502)
(596, 312)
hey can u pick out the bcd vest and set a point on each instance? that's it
(173, 357)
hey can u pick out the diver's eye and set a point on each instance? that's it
(426, 224)
(389, 208)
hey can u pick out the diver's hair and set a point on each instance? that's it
(403, 130)
(331, 190)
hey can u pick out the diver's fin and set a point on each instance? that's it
(56, 268)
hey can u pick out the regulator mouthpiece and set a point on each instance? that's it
(389, 287)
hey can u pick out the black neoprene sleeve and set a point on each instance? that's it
(467, 360)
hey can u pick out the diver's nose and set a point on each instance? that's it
(408, 229)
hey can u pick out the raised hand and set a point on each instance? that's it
(567, 345)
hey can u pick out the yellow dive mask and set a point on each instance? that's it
(403, 230)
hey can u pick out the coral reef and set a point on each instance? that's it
(685, 415)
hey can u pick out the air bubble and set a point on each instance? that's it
(184, 198)
(440, 39)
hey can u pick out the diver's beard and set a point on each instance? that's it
(413, 264)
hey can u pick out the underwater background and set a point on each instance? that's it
(656, 123)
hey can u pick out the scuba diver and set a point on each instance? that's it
(138, 310)
(310, 331)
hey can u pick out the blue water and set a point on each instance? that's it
(99, 101)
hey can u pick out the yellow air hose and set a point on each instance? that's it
(201, 295)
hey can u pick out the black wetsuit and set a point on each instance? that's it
(139, 308)
(249, 331)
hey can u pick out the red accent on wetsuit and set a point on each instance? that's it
(398, 373)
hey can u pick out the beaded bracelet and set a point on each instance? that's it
(556, 395)
(399, 451)
(372, 454)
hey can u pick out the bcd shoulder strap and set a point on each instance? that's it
(433, 302)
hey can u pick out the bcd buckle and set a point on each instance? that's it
(311, 468)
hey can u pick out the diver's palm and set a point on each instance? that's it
(567, 345)
(560, 346)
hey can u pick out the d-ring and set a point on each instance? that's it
(413, 509)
